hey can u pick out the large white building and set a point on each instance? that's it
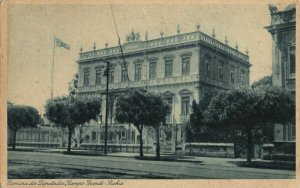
(183, 67)
(283, 31)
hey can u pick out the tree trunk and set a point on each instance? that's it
(249, 146)
(14, 140)
(157, 142)
(69, 140)
(141, 141)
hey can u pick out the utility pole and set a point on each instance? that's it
(52, 68)
(106, 106)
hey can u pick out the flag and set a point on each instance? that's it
(60, 43)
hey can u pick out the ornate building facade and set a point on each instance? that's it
(283, 31)
(183, 67)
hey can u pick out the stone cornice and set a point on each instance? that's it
(169, 56)
(165, 42)
(187, 54)
(85, 69)
(151, 59)
(138, 61)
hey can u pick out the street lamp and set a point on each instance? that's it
(106, 72)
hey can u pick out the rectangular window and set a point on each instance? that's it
(232, 77)
(169, 68)
(98, 77)
(221, 72)
(123, 75)
(292, 63)
(86, 78)
(152, 70)
(111, 76)
(207, 69)
(138, 72)
(185, 66)
(242, 78)
(185, 105)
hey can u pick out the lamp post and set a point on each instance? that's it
(106, 106)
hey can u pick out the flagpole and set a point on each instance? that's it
(52, 68)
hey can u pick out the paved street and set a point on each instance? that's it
(123, 165)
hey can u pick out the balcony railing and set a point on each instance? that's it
(213, 81)
(140, 83)
(162, 42)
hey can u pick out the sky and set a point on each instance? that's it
(31, 29)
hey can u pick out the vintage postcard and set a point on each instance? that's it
(148, 93)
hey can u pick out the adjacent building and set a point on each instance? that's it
(283, 31)
(183, 67)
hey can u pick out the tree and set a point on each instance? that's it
(265, 133)
(19, 116)
(276, 106)
(72, 111)
(73, 86)
(141, 109)
(131, 108)
(246, 109)
(157, 110)
(237, 108)
(196, 129)
(265, 81)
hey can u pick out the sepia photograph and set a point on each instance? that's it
(108, 91)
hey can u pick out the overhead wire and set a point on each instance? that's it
(119, 42)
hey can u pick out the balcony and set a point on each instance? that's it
(184, 118)
(140, 83)
(215, 82)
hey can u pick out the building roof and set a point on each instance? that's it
(134, 45)
(282, 20)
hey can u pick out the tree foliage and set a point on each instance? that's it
(73, 85)
(276, 106)
(196, 129)
(19, 116)
(141, 109)
(72, 111)
(265, 81)
(247, 109)
(157, 110)
(131, 107)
